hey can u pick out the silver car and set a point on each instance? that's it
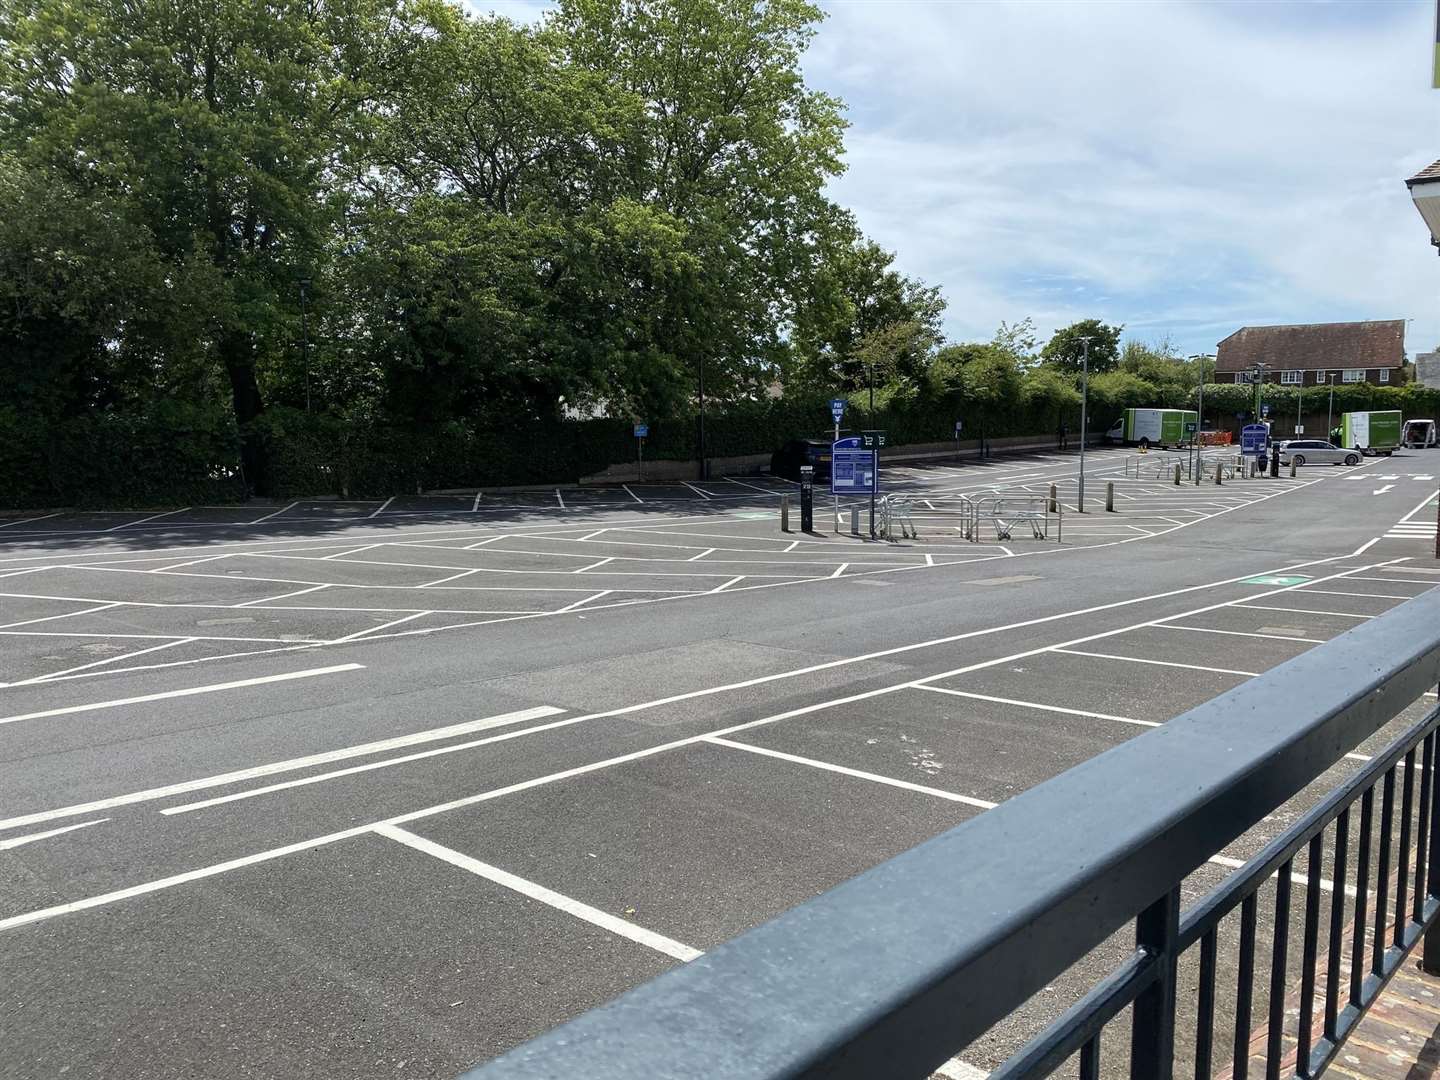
(1316, 452)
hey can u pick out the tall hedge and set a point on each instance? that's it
(171, 454)
(176, 454)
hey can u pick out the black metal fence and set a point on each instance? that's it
(901, 968)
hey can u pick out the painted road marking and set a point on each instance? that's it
(98, 663)
(713, 690)
(765, 751)
(1384, 488)
(20, 841)
(549, 897)
(290, 765)
(277, 513)
(214, 688)
(1160, 663)
(177, 879)
(383, 626)
(1037, 705)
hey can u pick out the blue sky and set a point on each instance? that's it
(1183, 168)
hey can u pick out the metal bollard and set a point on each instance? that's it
(1219, 469)
(1177, 475)
(784, 513)
(1110, 496)
(854, 521)
(1292, 468)
(1053, 498)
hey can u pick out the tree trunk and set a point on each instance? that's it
(245, 396)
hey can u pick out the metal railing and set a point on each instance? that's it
(1161, 465)
(901, 968)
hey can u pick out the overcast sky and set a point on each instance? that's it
(1183, 168)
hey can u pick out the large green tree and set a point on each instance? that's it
(864, 314)
(209, 132)
(1066, 349)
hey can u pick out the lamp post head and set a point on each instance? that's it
(1424, 189)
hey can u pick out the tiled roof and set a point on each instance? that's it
(1377, 344)
(1428, 174)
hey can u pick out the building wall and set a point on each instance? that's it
(1314, 377)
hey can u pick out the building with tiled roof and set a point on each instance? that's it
(1306, 354)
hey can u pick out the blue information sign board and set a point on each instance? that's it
(852, 468)
(1253, 438)
(642, 430)
(837, 409)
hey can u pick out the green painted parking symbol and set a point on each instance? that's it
(1276, 579)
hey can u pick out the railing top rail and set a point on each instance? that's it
(896, 970)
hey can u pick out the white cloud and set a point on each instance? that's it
(1184, 168)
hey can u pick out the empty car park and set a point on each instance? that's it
(392, 787)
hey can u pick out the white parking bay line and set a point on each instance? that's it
(20, 841)
(178, 879)
(274, 768)
(383, 626)
(214, 688)
(277, 513)
(1241, 605)
(603, 919)
(99, 663)
(67, 615)
(1235, 633)
(371, 766)
(955, 1069)
(1158, 663)
(1036, 705)
(765, 751)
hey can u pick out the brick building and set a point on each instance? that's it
(1305, 354)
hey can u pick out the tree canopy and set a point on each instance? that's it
(1067, 348)
(401, 214)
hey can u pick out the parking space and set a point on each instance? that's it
(374, 584)
(490, 838)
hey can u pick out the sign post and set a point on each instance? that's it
(853, 470)
(641, 431)
(807, 498)
(873, 441)
(1252, 441)
(837, 413)
(959, 424)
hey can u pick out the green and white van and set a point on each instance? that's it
(1155, 427)
(1371, 432)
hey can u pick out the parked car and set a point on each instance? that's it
(1419, 434)
(1316, 452)
(787, 460)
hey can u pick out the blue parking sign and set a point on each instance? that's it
(1253, 438)
(852, 468)
(837, 408)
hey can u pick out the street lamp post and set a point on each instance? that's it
(1084, 417)
(704, 470)
(1258, 370)
(1199, 360)
(1424, 188)
(305, 338)
(1330, 412)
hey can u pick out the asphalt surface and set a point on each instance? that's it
(383, 789)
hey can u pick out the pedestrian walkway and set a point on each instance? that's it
(1399, 1039)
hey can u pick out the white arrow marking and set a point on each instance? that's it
(1382, 490)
